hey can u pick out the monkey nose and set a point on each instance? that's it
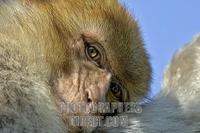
(97, 92)
(92, 96)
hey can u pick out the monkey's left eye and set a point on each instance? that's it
(116, 89)
(93, 54)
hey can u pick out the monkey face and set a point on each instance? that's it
(91, 79)
(106, 60)
(103, 49)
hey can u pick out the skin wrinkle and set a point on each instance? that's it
(82, 75)
(85, 83)
(79, 78)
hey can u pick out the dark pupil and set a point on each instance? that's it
(115, 88)
(92, 52)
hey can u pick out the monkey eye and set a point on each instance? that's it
(94, 51)
(116, 89)
(93, 54)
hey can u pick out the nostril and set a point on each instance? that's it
(89, 100)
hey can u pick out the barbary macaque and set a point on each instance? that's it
(54, 52)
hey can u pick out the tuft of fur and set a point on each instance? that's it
(25, 100)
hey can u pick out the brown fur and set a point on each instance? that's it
(36, 39)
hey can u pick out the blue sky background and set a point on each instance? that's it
(166, 25)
